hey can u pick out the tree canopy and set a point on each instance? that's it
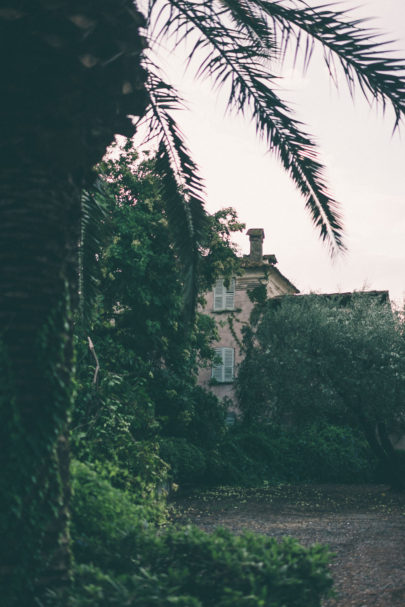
(337, 358)
(145, 388)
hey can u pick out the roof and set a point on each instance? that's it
(343, 298)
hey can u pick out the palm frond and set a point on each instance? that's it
(94, 230)
(181, 226)
(183, 187)
(362, 53)
(230, 60)
(251, 21)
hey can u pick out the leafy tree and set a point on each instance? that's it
(72, 73)
(146, 385)
(339, 359)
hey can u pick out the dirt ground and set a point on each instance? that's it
(364, 526)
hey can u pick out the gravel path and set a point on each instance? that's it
(363, 525)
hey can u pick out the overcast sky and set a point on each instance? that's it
(365, 166)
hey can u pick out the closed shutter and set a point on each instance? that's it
(219, 292)
(218, 370)
(224, 298)
(228, 358)
(223, 371)
(230, 296)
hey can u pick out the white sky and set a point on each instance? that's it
(365, 166)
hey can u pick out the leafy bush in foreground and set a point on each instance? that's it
(123, 560)
(190, 567)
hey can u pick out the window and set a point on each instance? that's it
(230, 419)
(224, 297)
(223, 371)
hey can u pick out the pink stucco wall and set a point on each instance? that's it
(254, 275)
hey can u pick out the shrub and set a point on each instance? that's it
(187, 461)
(94, 588)
(192, 568)
(122, 560)
(333, 454)
(230, 464)
(101, 514)
(316, 453)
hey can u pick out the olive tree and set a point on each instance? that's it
(337, 358)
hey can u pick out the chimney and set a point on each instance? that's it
(256, 237)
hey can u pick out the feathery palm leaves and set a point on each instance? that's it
(234, 43)
(183, 187)
(95, 227)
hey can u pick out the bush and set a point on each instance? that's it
(332, 454)
(187, 462)
(317, 453)
(192, 568)
(123, 560)
(101, 514)
(94, 588)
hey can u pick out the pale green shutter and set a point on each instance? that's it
(218, 370)
(219, 294)
(228, 359)
(230, 296)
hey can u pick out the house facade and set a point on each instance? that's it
(230, 305)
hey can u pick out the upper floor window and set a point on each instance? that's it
(224, 297)
(223, 371)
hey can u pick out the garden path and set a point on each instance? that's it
(363, 525)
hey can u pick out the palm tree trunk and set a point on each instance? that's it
(39, 221)
(71, 75)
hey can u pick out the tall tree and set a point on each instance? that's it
(72, 73)
(339, 359)
(64, 96)
(147, 381)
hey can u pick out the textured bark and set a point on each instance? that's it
(70, 76)
(38, 234)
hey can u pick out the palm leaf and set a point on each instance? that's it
(235, 41)
(94, 230)
(183, 189)
(361, 52)
(230, 60)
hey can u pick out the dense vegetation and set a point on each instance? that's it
(144, 397)
(122, 560)
(141, 425)
(329, 359)
(75, 72)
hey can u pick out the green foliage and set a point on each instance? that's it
(336, 359)
(146, 386)
(219, 252)
(315, 453)
(236, 45)
(249, 455)
(187, 461)
(194, 569)
(102, 514)
(330, 357)
(34, 407)
(131, 564)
